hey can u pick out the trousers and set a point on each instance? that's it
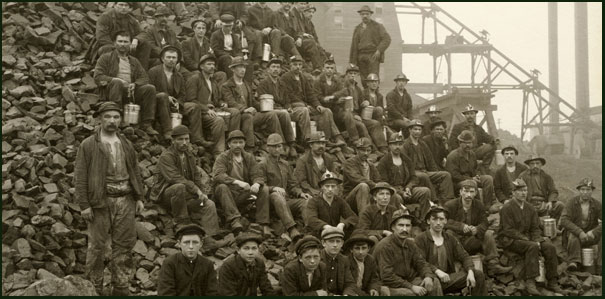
(183, 204)
(145, 96)
(200, 122)
(300, 115)
(359, 197)
(374, 128)
(574, 248)
(286, 127)
(367, 65)
(531, 251)
(325, 122)
(232, 197)
(355, 128)
(436, 291)
(458, 282)
(443, 180)
(487, 245)
(163, 112)
(285, 208)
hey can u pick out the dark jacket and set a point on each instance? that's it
(455, 252)
(267, 86)
(298, 93)
(308, 174)
(278, 174)
(107, 69)
(352, 90)
(460, 167)
(232, 97)
(481, 137)
(154, 34)
(111, 22)
(518, 224)
(400, 262)
(217, 43)
(192, 52)
(399, 106)
(370, 280)
(438, 150)
(344, 284)
(171, 171)
(261, 17)
(571, 218)
(373, 38)
(223, 166)
(379, 102)
(197, 91)
(503, 186)
(294, 281)
(322, 87)
(352, 170)
(298, 22)
(403, 175)
(547, 185)
(319, 213)
(235, 280)
(456, 218)
(158, 78)
(372, 223)
(410, 150)
(90, 171)
(180, 277)
(283, 23)
(236, 9)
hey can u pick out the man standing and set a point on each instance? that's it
(109, 190)
(238, 181)
(284, 193)
(507, 173)
(370, 41)
(375, 219)
(178, 185)
(399, 103)
(158, 36)
(520, 232)
(311, 165)
(122, 76)
(339, 278)
(484, 145)
(360, 176)
(442, 250)
(541, 190)
(363, 266)
(581, 220)
(436, 140)
(467, 221)
(188, 273)
(306, 275)
(202, 93)
(462, 165)
(196, 46)
(425, 166)
(225, 44)
(402, 268)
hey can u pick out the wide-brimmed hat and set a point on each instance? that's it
(535, 158)
(466, 136)
(402, 214)
(316, 137)
(307, 241)
(586, 182)
(171, 48)
(357, 237)
(366, 9)
(274, 139)
(236, 134)
(237, 61)
(401, 77)
(327, 176)
(162, 11)
(190, 229)
(510, 148)
(179, 130)
(248, 236)
(382, 185)
(469, 108)
(107, 106)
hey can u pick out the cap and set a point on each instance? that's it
(434, 210)
(248, 236)
(107, 106)
(310, 7)
(433, 109)
(402, 214)
(190, 229)
(352, 68)
(357, 237)
(382, 185)
(274, 139)
(510, 148)
(401, 76)
(330, 60)
(363, 142)
(586, 182)
(296, 58)
(237, 61)
(227, 18)
(332, 232)
(519, 183)
(179, 130)
(276, 60)
(206, 57)
(316, 72)
(466, 136)
(327, 176)
(533, 157)
(307, 242)
(396, 137)
(236, 134)
(316, 137)
(162, 11)
(366, 9)
(415, 123)
(437, 122)
(468, 183)
(372, 77)
(469, 108)
(171, 48)
(198, 21)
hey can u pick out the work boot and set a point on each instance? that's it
(236, 227)
(553, 285)
(148, 129)
(267, 232)
(494, 267)
(294, 234)
(530, 286)
(572, 267)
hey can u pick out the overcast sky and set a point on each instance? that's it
(520, 31)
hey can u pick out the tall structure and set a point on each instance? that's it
(581, 38)
(553, 62)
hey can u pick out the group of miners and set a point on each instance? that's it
(384, 204)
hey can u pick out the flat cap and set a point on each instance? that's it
(190, 229)
(195, 22)
(107, 106)
(248, 236)
(415, 123)
(402, 214)
(179, 130)
(162, 11)
(237, 61)
(434, 210)
(437, 122)
(468, 183)
(227, 18)
(171, 48)
(236, 134)
(306, 242)
(332, 232)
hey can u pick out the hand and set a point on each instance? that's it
(386, 233)
(365, 104)
(306, 196)
(320, 108)
(376, 55)
(477, 179)
(87, 215)
(444, 277)
(298, 42)
(470, 279)
(590, 234)
(267, 31)
(139, 207)
(131, 87)
(134, 44)
(466, 229)
(211, 113)
(374, 293)
(407, 193)
(120, 80)
(242, 185)
(341, 226)
(321, 293)
(218, 24)
(539, 245)
(357, 117)
(177, 67)
(419, 290)
(254, 188)
(583, 236)
(280, 190)
(548, 205)
(473, 230)
(203, 198)
(326, 99)
(427, 282)
(251, 110)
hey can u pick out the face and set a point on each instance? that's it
(333, 245)
(190, 246)
(467, 193)
(373, 85)
(382, 197)
(509, 156)
(365, 16)
(227, 27)
(520, 194)
(360, 251)
(329, 69)
(416, 131)
(308, 14)
(170, 59)
(400, 84)
(329, 189)
(471, 116)
(286, 5)
(432, 114)
(162, 20)
(239, 71)
(208, 67)
(237, 145)
(310, 259)
(300, 5)
(535, 166)
(122, 44)
(363, 153)
(438, 131)
(274, 70)
(248, 251)
(182, 142)
(402, 228)
(352, 76)
(437, 222)
(122, 8)
(275, 150)
(296, 66)
(396, 147)
(585, 192)
(318, 148)
(200, 29)
(110, 120)
(466, 146)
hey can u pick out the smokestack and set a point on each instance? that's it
(581, 37)
(553, 63)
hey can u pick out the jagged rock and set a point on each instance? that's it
(59, 229)
(25, 90)
(140, 247)
(67, 286)
(43, 274)
(21, 246)
(143, 233)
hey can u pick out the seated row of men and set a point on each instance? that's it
(402, 262)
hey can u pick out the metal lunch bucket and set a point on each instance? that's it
(226, 117)
(293, 124)
(542, 276)
(366, 113)
(313, 125)
(550, 227)
(176, 118)
(588, 257)
(349, 105)
(266, 52)
(266, 102)
(477, 262)
(131, 114)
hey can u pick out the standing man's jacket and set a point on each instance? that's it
(455, 252)
(171, 172)
(235, 280)
(91, 171)
(107, 69)
(180, 277)
(158, 78)
(375, 37)
(503, 186)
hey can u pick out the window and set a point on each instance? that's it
(378, 7)
(338, 22)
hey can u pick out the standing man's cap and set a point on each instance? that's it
(327, 176)
(171, 48)
(332, 232)
(519, 183)
(535, 158)
(586, 182)
(107, 106)
(372, 77)
(274, 139)
(401, 77)
(363, 142)
(468, 183)
(402, 214)
(510, 148)
(190, 229)
(396, 137)
(237, 61)
(466, 136)
(236, 134)
(248, 236)
(382, 185)
(469, 108)
(365, 8)
(179, 130)
(227, 18)
(162, 11)
(307, 241)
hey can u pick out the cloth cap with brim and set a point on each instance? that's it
(415, 123)
(205, 58)
(535, 158)
(162, 11)
(352, 69)
(510, 148)
(195, 22)
(365, 8)
(398, 214)
(466, 136)
(248, 236)
(331, 232)
(518, 184)
(227, 18)
(237, 61)
(316, 137)
(274, 139)
(381, 186)
(296, 58)
(468, 183)
(329, 176)
(586, 182)
(438, 122)
(363, 142)
(310, 7)
(306, 242)
(469, 108)
(190, 229)
(372, 77)
(171, 48)
(107, 106)
(357, 238)
(396, 137)
(275, 60)
(401, 77)
(237, 134)
(179, 130)
(435, 209)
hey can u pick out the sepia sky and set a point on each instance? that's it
(520, 31)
